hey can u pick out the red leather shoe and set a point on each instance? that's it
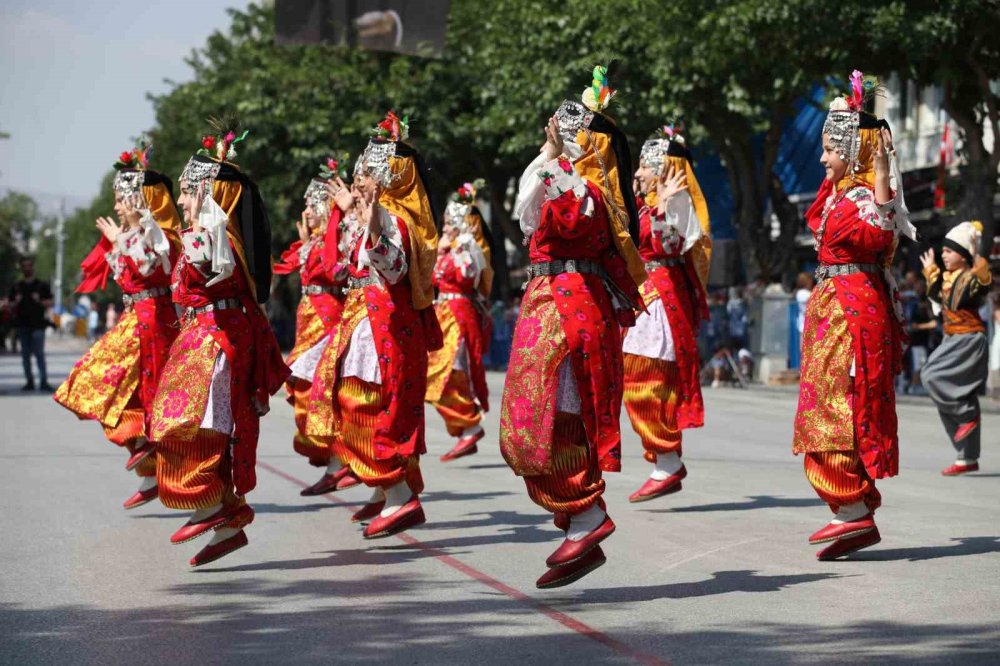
(465, 447)
(833, 532)
(214, 551)
(958, 470)
(139, 456)
(965, 430)
(326, 484)
(409, 515)
(572, 572)
(848, 545)
(192, 530)
(571, 551)
(367, 512)
(142, 497)
(347, 480)
(652, 488)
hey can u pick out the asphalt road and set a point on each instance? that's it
(719, 573)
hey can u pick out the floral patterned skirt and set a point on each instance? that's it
(530, 394)
(103, 381)
(441, 361)
(824, 420)
(182, 398)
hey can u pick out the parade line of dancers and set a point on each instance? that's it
(393, 314)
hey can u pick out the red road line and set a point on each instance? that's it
(562, 618)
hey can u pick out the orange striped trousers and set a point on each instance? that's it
(456, 405)
(358, 406)
(317, 449)
(131, 426)
(840, 478)
(196, 474)
(574, 484)
(650, 399)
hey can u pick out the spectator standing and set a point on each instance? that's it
(803, 289)
(93, 321)
(110, 317)
(30, 297)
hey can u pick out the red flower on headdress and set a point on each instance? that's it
(390, 126)
(331, 164)
(208, 141)
(125, 157)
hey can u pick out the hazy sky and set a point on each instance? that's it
(74, 77)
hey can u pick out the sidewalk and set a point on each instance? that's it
(987, 405)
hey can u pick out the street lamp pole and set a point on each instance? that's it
(60, 239)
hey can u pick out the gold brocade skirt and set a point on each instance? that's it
(309, 330)
(440, 362)
(824, 420)
(530, 393)
(320, 416)
(185, 384)
(101, 383)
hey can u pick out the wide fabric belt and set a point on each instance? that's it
(316, 289)
(361, 283)
(224, 304)
(560, 266)
(130, 299)
(826, 271)
(663, 263)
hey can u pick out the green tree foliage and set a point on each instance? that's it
(17, 212)
(953, 43)
(733, 69)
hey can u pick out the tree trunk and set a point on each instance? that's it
(979, 175)
(747, 207)
(503, 228)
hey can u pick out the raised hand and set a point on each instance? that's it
(108, 227)
(303, 228)
(883, 149)
(340, 193)
(553, 140)
(927, 258)
(670, 183)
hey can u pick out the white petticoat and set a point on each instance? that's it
(304, 366)
(219, 410)
(361, 359)
(651, 336)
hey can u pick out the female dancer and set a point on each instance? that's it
(852, 340)
(225, 363)
(662, 391)
(456, 378)
(114, 383)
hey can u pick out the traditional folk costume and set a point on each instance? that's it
(318, 315)
(662, 388)
(956, 371)
(559, 422)
(225, 363)
(852, 341)
(373, 404)
(463, 275)
(115, 381)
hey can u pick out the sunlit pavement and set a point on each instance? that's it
(719, 573)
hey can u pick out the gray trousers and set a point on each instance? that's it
(954, 375)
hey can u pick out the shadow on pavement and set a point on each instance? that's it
(752, 502)
(965, 546)
(721, 582)
(250, 620)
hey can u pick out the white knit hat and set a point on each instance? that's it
(964, 238)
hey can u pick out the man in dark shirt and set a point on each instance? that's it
(30, 298)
